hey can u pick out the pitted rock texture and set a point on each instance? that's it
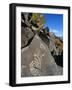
(36, 60)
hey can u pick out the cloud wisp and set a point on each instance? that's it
(56, 32)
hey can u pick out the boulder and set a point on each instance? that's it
(26, 36)
(36, 60)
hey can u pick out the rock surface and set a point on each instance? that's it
(26, 35)
(37, 60)
(41, 50)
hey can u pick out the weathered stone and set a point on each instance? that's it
(37, 60)
(26, 35)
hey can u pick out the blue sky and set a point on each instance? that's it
(55, 23)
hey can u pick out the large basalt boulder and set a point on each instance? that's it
(36, 60)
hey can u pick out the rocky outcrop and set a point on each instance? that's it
(37, 60)
(41, 50)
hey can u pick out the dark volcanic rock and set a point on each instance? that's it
(59, 60)
(37, 60)
(44, 38)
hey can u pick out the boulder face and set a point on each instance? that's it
(26, 36)
(36, 60)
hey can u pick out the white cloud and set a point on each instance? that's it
(56, 32)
